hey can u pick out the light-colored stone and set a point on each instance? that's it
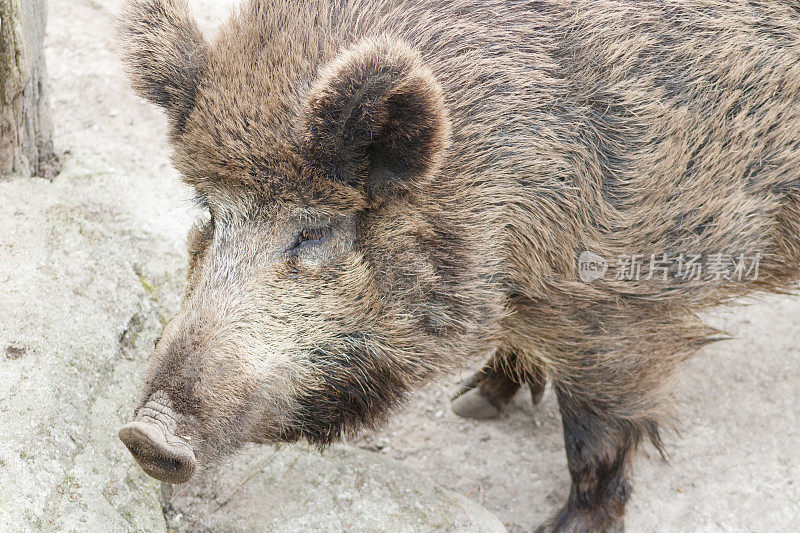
(80, 315)
(295, 488)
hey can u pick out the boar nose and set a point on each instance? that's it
(164, 460)
(152, 441)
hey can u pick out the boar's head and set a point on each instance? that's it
(340, 263)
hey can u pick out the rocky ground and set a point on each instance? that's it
(91, 266)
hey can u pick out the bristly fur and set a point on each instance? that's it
(466, 152)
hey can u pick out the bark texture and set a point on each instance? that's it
(26, 131)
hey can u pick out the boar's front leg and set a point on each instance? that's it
(599, 450)
(484, 394)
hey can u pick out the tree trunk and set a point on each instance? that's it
(26, 132)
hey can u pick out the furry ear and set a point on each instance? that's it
(164, 54)
(376, 119)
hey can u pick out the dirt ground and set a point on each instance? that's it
(734, 467)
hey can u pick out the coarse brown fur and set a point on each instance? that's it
(397, 187)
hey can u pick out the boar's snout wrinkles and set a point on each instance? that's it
(397, 188)
(153, 442)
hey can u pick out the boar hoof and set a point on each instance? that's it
(473, 404)
(570, 520)
(616, 527)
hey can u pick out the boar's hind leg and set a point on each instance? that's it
(484, 394)
(599, 450)
(536, 380)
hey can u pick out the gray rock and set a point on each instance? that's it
(297, 489)
(79, 317)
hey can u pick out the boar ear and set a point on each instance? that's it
(376, 119)
(164, 54)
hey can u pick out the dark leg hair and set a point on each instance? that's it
(599, 449)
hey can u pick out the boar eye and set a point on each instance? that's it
(309, 237)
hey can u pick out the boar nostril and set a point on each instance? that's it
(168, 464)
(162, 456)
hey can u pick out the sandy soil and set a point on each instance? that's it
(735, 467)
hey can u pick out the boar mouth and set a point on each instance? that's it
(152, 442)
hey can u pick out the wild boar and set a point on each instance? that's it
(396, 188)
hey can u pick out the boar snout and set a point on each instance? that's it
(152, 441)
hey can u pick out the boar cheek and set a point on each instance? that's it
(356, 388)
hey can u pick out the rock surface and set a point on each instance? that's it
(80, 314)
(295, 488)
